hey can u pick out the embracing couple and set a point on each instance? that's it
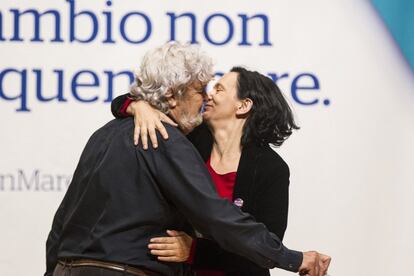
(207, 196)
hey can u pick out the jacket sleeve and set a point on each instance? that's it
(117, 104)
(270, 201)
(185, 181)
(210, 256)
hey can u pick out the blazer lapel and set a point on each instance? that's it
(246, 174)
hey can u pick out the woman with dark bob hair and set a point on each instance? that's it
(270, 120)
(243, 114)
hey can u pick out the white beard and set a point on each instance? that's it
(187, 123)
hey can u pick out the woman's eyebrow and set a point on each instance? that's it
(218, 85)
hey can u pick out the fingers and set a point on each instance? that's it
(323, 270)
(325, 262)
(170, 259)
(149, 129)
(162, 246)
(167, 120)
(175, 248)
(163, 240)
(164, 253)
(173, 233)
(137, 124)
(311, 272)
(168, 255)
(310, 264)
(147, 121)
(162, 130)
(325, 258)
(144, 137)
(307, 272)
(317, 270)
(144, 130)
(153, 136)
(137, 131)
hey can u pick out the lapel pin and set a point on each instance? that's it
(238, 202)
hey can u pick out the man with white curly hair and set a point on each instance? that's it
(122, 195)
(173, 78)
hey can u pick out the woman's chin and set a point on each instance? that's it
(206, 115)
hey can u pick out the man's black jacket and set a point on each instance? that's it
(121, 196)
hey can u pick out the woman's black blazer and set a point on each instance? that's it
(262, 184)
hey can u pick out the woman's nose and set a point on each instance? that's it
(211, 93)
(207, 96)
(210, 87)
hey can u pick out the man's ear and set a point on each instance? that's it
(244, 107)
(172, 101)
